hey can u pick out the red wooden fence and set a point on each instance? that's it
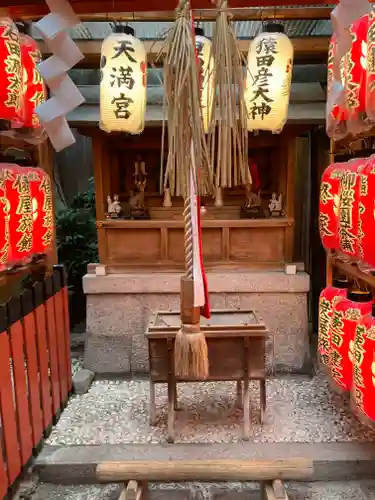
(35, 371)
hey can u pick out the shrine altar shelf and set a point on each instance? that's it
(141, 256)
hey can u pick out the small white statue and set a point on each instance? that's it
(276, 204)
(114, 206)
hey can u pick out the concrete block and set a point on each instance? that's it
(82, 381)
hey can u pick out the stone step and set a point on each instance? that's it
(332, 461)
(195, 491)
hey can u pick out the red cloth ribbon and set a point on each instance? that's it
(205, 309)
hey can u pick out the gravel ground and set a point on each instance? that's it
(194, 491)
(299, 410)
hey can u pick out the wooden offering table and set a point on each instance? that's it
(236, 349)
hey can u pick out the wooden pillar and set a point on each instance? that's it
(45, 162)
(289, 202)
(101, 165)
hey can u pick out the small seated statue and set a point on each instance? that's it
(114, 207)
(276, 205)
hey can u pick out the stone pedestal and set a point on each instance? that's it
(119, 307)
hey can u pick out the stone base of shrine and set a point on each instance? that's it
(119, 307)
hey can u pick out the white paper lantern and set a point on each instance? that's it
(123, 83)
(268, 80)
(207, 68)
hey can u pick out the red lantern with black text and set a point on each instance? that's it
(366, 223)
(329, 206)
(349, 207)
(370, 86)
(336, 113)
(34, 90)
(42, 209)
(4, 224)
(355, 77)
(363, 391)
(21, 217)
(348, 313)
(328, 300)
(10, 74)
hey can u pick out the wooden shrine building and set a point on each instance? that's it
(251, 263)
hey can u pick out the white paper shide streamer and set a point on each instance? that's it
(65, 95)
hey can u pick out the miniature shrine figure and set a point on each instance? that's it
(276, 205)
(114, 207)
(253, 205)
(137, 201)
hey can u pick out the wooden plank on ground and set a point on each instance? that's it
(205, 470)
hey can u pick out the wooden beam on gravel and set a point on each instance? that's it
(312, 48)
(205, 470)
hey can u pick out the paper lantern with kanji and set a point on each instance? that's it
(349, 208)
(370, 87)
(329, 203)
(347, 314)
(328, 300)
(268, 80)
(21, 215)
(355, 77)
(363, 391)
(366, 220)
(207, 76)
(336, 113)
(10, 74)
(123, 82)
(42, 205)
(34, 90)
(4, 223)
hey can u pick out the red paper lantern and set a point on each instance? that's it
(349, 207)
(21, 215)
(366, 222)
(355, 76)
(363, 391)
(34, 90)
(370, 87)
(41, 195)
(338, 113)
(4, 223)
(10, 73)
(348, 313)
(329, 206)
(328, 300)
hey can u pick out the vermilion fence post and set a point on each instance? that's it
(52, 345)
(17, 349)
(60, 331)
(43, 354)
(65, 299)
(8, 412)
(31, 340)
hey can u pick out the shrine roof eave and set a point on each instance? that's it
(21, 8)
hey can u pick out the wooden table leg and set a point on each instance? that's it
(246, 393)
(263, 399)
(152, 404)
(239, 403)
(171, 391)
